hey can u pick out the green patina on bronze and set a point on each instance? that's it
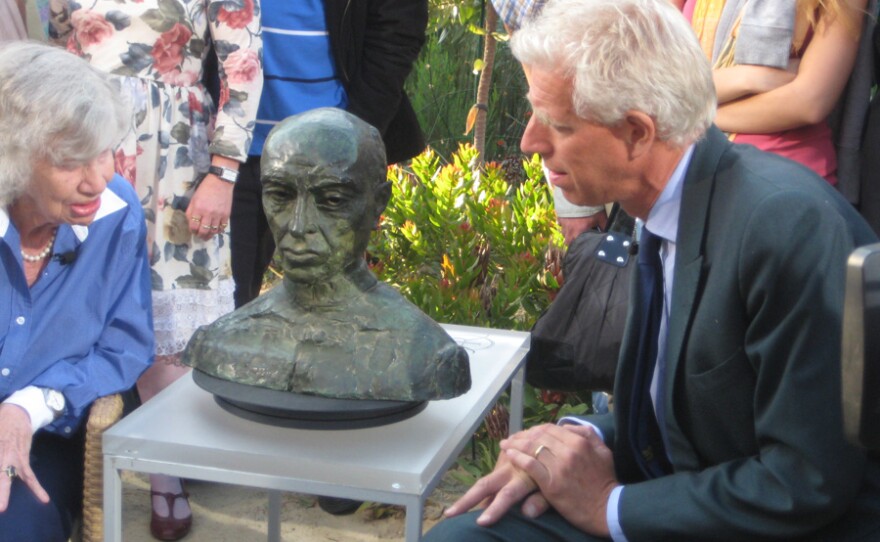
(330, 328)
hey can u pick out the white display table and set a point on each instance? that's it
(184, 432)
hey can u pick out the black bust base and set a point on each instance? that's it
(287, 409)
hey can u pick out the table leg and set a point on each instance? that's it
(517, 390)
(415, 510)
(112, 502)
(274, 515)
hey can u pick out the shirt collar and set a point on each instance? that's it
(110, 203)
(663, 218)
(4, 222)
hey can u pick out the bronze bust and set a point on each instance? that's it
(330, 328)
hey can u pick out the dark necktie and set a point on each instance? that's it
(645, 432)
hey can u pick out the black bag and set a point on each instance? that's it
(576, 341)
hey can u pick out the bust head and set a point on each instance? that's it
(331, 329)
(324, 188)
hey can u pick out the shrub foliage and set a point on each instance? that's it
(467, 246)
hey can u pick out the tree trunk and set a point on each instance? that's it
(482, 107)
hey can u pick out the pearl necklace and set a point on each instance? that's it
(43, 253)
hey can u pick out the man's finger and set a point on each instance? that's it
(485, 488)
(534, 466)
(535, 505)
(519, 486)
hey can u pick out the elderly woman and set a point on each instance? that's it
(75, 312)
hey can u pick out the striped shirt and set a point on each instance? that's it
(299, 71)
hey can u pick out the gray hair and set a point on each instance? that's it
(624, 55)
(53, 106)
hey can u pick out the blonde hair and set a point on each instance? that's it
(814, 10)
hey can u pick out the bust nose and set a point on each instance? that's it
(304, 217)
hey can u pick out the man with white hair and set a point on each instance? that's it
(573, 219)
(727, 421)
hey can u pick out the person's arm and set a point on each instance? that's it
(124, 348)
(736, 82)
(393, 38)
(237, 44)
(811, 95)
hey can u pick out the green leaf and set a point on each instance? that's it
(172, 10)
(157, 20)
(180, 132)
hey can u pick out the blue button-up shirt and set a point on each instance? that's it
(85, 326)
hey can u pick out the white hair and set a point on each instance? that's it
(624, 55)
(55, 107)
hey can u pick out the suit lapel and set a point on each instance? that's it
(695, 201)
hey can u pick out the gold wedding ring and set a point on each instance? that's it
(538, 451)
(196, 219)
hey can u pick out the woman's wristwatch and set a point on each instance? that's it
(55, 401)
(224, 173)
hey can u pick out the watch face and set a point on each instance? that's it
(55, 400)
(226, 174)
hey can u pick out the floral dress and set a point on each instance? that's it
(156, 49)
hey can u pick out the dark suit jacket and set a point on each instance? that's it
(375, 44)
(753, 399)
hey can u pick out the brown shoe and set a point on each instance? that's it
(169, 528)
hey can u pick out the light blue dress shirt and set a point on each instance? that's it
(662, 222)
(85, 326)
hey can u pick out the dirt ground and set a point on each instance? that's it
(227, 513)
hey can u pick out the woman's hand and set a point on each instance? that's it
(210, 206)
(738, 81)
(15, 449)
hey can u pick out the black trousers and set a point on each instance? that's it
(251, 243)
(58, 464)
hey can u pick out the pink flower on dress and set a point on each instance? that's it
(239, 18)
(241, 66)
(179, 78)
(168, 50)
(91, 27)
(126, 165)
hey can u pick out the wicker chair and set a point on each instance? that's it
(105, 412)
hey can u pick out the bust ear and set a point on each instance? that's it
(382, 195)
